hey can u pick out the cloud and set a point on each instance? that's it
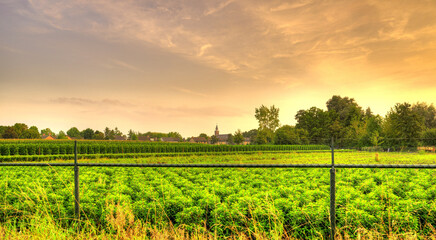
(199, 112)
(190, 92)
(245, 38)
(89, 102)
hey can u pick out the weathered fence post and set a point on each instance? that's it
(333, 195)
(76, 184)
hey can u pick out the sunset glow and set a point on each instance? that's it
(186, 66)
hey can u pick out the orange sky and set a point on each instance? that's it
(187, 65)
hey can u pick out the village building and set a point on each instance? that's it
(47, 137)
(198, 140)
(144, 138)
(170, 139)
(222, 138)
(120, 138)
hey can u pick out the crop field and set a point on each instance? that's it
(219, 203)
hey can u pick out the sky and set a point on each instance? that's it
(185, 66)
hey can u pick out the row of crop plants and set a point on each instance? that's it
(101, 147)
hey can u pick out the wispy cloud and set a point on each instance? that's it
(89, 102)
(190, 92)
(199, 112)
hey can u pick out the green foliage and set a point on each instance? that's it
(402, 126)
(62, 135)
(316, 122)
(100, 136)
(30, 134)
(87, 133)
(10, 133)
(268, 118)
(54, 147)
(288, 135)
(429, 137)
(73, 132)
(213, 139)
(20, 128)
(427, 112)
(238, 137)
(48, 131)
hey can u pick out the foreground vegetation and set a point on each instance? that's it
(222, 203)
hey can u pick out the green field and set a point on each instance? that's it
(38, 202)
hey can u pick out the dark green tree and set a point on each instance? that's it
(62, 135)
(317, 123)
(74, 132)
(230, 139)
(109, 134)
(238, 137)
(87, 133)
(10, 133)
(429, 137)
(213, 139)
(287, 135)
(402, 126)
(30, 133)
(20, 128)
(98, 135)
(252, 134)
(264, 137)
(427, 112)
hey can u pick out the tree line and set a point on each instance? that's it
(22, 131)
(344, 121)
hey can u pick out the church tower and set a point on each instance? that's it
(217, 132)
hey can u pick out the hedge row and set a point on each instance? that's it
(21, 147)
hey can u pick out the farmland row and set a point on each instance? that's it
(21, 147)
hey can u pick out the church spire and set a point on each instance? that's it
(217, 132)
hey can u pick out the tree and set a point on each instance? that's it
(109, 134)
(10, 133)
(132, 135)
(30, 133)
(62, 135)
(346, 109)
(73, 132)
(88, 133)
(238, 138)
(48, 131)
(20, 128)
(268, 117)
(317, 123)
(264, 137)
(230, 140)
(252, 134)
(429, 137)
(176, 135)
(98, 135)
(213, 139)
(427, 112)
(2, 130)
(403, 126)
(205, 136)
(117, 132)
(286, 135)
